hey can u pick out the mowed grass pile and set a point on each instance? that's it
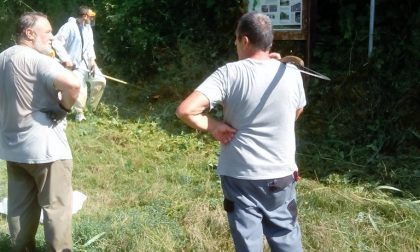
(151, 185)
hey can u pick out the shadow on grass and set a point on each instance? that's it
(329, 167)
(318, 159)
(5, 244)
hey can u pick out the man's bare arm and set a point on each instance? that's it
(191, 111)
(298, 112)
(69, 85)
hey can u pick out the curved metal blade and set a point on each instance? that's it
(314, 73)
(311, 72)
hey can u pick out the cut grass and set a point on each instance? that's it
(151, 186)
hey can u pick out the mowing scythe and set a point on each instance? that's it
(298, 62)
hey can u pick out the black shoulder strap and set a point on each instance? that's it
(270, 88)
(81, 37)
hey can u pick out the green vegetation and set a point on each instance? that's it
(151, 186)
(151, 181)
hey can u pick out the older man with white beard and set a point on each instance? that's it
(36, 93)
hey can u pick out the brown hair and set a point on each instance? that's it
(258, 28)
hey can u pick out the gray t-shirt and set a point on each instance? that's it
(260, 99)
(27, 135)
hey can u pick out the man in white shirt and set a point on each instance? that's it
(74, 46)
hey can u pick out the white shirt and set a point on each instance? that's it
(68, 43)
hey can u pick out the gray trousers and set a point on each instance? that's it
(93, 86)
(257, 208)
(33, 188)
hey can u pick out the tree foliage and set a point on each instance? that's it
(152, 34)
(378, 97)
(370, 110)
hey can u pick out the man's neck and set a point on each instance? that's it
(26, 43)
(80, 21)
(260, 55)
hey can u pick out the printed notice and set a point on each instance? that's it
(284, 14)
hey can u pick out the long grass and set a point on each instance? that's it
(151, 185)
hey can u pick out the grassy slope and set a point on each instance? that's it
(151, 186)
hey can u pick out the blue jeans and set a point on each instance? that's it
(262, 207)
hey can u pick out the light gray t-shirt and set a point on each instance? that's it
(260, 99)
(27, 135)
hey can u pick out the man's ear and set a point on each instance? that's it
(245, 41)
(30, 34)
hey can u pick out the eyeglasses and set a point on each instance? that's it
(90, 14)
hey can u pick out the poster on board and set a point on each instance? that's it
(285, 15)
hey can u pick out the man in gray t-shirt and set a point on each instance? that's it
(261, 99)
(36, 93)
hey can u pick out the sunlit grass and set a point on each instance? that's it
(354, 218)
(151, 186)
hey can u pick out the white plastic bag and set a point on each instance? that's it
(78, 200)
